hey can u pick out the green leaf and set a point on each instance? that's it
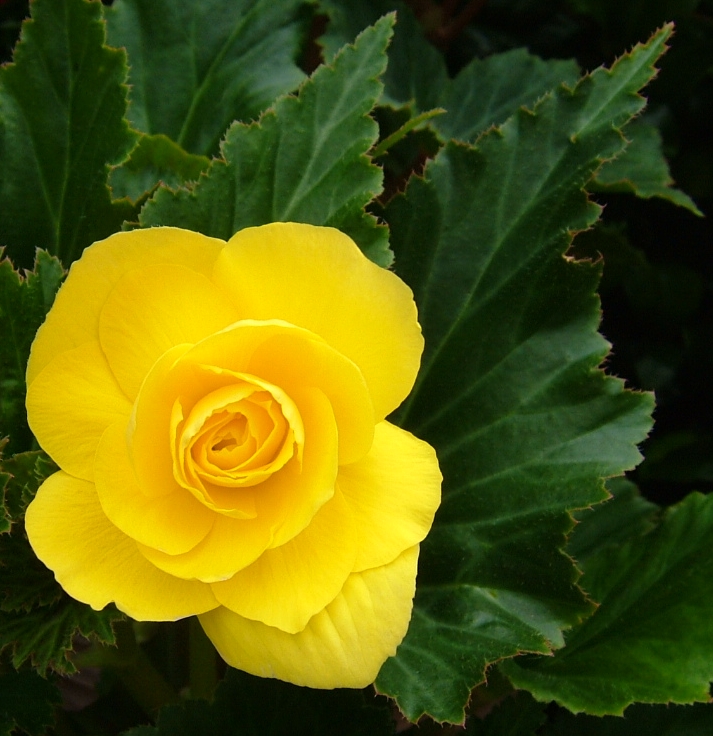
(517, 715)
(642, 169)
(38, 621)
(62, 103)
(239, 709)
(639, 720)
(27, 702)
(651, 639)
(524, 423)
(196, 67)
(156, 159)
(24, 302)
(488, 91)
(304, 161)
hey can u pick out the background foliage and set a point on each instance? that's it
(504, 177)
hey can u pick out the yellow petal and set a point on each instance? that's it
(74, 317)
(152, 309)
(97, 564)
(287, 585)
(317, 278)
(71, 403)
(291, 497)
(150, 431)
(173, 523)
(230, 545)
(394, 493)
(342, 646)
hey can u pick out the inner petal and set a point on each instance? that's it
(234, 438)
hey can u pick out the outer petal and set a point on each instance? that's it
(317, 278)
(288, 585)
(342, 646)
(152, 309)
(95, 563)
(174, 523)
(70, 404)
(74, 317)
(394, 492)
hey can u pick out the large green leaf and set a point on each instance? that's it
(651, 639)
(197, 66)
(524, 423)
(642, 169)
(62, 104)
(24, 302)
(304, 161)
(253, 706)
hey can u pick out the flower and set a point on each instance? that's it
(218, 414)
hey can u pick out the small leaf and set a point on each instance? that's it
(642, 169)
(62, 103)
(196, 67)
(38, 621)
(24, 301)
(239, 710)
(44, 636)
(651, 639)
(524, 422)
(304, 161)
(486, 92)
(27, 702)
(155, 160)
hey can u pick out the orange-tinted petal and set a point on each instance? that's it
(71, 403)
(317, 278)
(342, 646)
(291, 358)
(152, 309)
(172, 523)
(96, 563)
(286, 503)
(288, 585)
(394, 492)
(74, 317)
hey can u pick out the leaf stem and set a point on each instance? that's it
(202, 663)
(396, 136)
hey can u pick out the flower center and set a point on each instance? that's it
(235, 438)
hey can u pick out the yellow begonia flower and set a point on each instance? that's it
(218, 414)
